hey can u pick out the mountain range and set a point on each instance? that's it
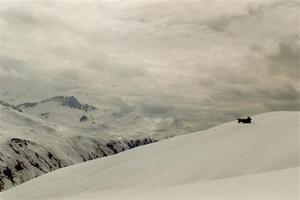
(33, 143)
(230, 161)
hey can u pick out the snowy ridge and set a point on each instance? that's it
(259, 160)
(70, 102)
(30, 146)
(2, 103)
(68, 111)
(39, 137)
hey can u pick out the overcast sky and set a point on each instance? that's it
(233, 56)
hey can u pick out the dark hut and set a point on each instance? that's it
(245, 120)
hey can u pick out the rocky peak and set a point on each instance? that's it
(67, 101)
(71, 102)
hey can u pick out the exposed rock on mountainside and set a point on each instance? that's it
(23, 160)
(31, 146)
(70, 102)
(9, 105)
(83, 118)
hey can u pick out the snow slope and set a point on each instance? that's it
(259, 160)
(31, 146)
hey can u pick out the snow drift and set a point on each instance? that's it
(258, 160)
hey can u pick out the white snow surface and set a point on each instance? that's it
(31, 146)
(235, 161)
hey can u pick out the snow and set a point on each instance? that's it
(279, 184)
(31, 146)
(258, 160)
(111, 121)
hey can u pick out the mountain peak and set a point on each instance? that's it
(72, 102)
(66, 101)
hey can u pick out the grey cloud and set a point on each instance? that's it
(117, 69)
(207, 82)
(126, 71)
(282, 106)
(280, 96)
(191, 58)
(123, 107)
(286, 93)
(18, 17)
(287, 59)
(70, 74)
(253, 10)
(155, 108)
(14, 68)
(189, 12)
(11, 63)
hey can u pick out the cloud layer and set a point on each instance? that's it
(228, 57)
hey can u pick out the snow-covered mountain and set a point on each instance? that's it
(38, 137)
(236, 161)
(60, 109)
(70, 102)
(69, 111)
(31, 146)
